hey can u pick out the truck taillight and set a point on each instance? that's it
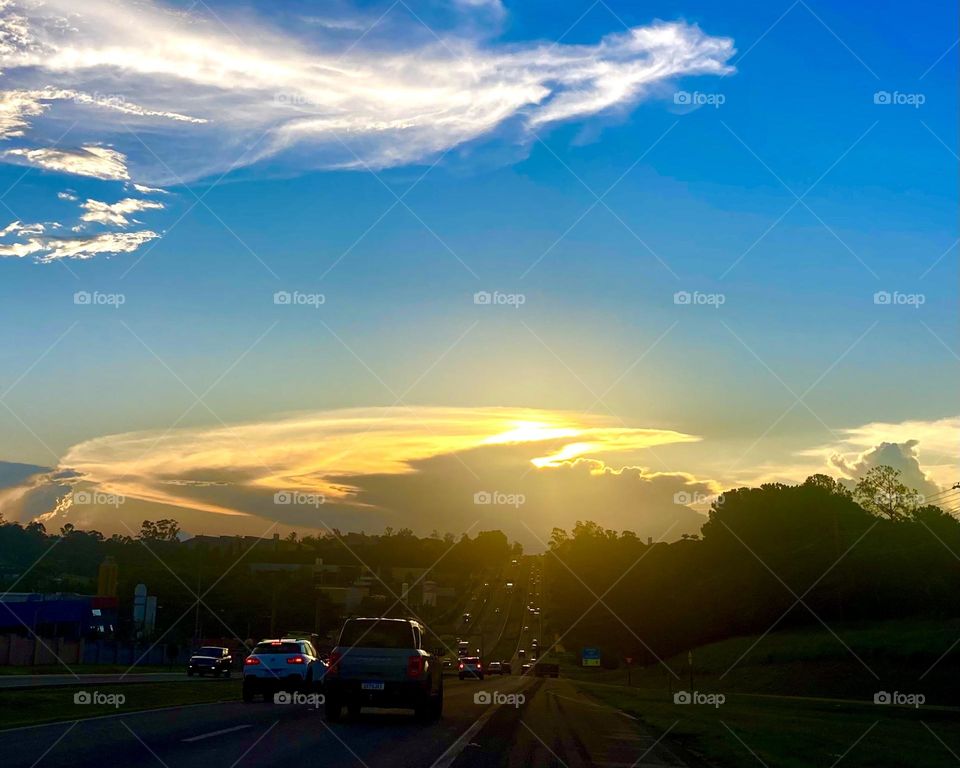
(461, 665)
(250, 661)
(333, 663)
(294, 659)
(414, 666)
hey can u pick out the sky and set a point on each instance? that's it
(465, 264)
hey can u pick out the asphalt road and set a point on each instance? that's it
(552, 725)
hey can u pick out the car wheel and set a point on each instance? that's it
(332, 708)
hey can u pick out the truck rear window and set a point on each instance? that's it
(377, 634)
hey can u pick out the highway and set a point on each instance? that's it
(554, 725)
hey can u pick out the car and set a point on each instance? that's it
(522, 653)
(283, 664)
(534, 642)
(524, 669)
(211, 658)
(494, 668)
(506, 668)
(463, 648)
(381, 662)
(446, 664)
(466, 618)
(470, 666)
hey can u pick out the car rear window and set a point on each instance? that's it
(377, 634)
(210, 651)
(263, 648)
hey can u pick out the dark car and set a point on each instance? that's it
(381, 662)
(213, 659)
(546, 669)
(506, 668)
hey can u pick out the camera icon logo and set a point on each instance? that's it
(682, 297)
(282, 297)
(482, 497)
(82, 297)
(882, 297)
(82, 697)
(882, 97)
(283, 497)
(482, 297)
(882, 697)
(682, 497)
(682, 697)
(482, 697)
(282, 697)
(682, 97)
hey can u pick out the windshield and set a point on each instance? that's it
(263, 648)
(370, 633)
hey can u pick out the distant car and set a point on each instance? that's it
(470, 666)
(446, 664)
(524, 669)
(534, 642)
(381, 662)
(284, 664)
(496, 610)
(506, 668)
(522, 653)
(213, 659)
(463, 648)
(466, 618)
(494, 668)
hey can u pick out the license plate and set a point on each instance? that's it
(377, 686)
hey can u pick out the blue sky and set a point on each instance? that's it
(702, 199)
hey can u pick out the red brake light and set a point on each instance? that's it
(333, 663)
(461, 665)
(415, 666)
(479, 665)
(294, 659)
(250, 660)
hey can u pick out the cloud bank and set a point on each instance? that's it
(236, 92)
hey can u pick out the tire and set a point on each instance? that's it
(332, 709)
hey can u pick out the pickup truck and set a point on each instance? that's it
(381, 662)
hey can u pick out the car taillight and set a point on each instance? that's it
(414, 666)
(251, 660)
(461, 665)
(294, 659)
(479, 665)
(333, 663)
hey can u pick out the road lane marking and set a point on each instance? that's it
(210, 735)
(453, 751)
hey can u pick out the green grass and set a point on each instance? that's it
(791, 733)
(801, 699)
(29, 706)
(88, 669)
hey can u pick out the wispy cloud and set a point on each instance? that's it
(116, 214)
(391, 101)
(98, 162)
(53, 248)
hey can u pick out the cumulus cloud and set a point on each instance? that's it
(99, 162)
(115, 213)
(47, 249)
(269, 90)
(380, 466)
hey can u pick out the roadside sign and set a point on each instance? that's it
(590, 657)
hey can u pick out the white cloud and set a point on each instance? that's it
(52, 248)
(99, 162)
(68, 195)
(143, 189)
(21, 230)
(393, 100)
(116, 213)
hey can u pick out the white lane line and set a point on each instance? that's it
(210, 735)
(453, 751)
